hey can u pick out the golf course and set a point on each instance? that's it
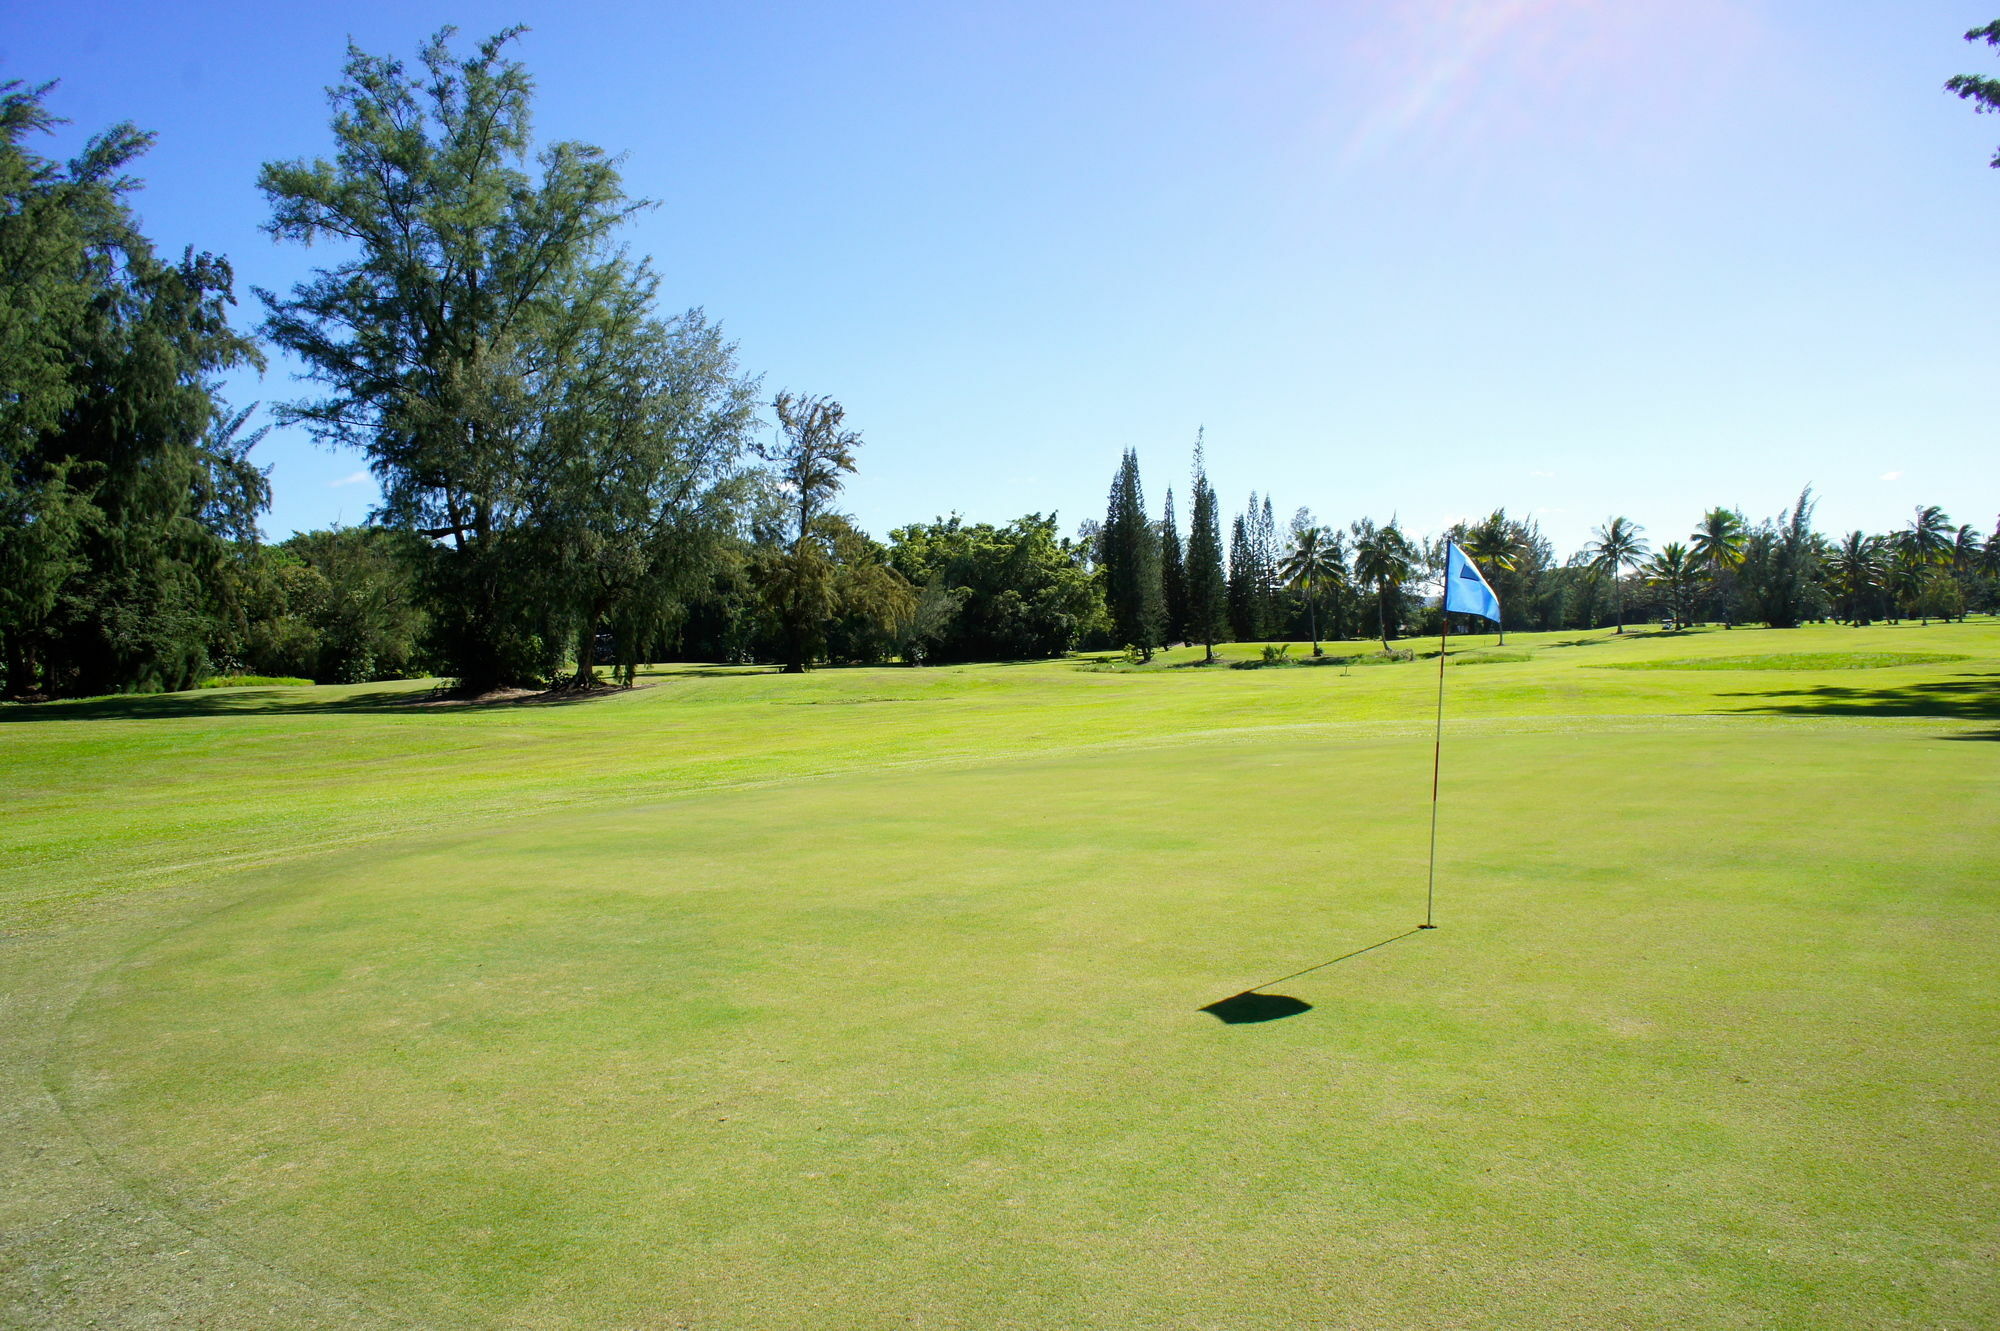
(1074, 993)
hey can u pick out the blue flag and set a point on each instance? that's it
(1465, 589)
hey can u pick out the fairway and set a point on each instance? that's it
(875, 998)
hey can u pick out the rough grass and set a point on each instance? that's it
(254, 681)
(874, 998)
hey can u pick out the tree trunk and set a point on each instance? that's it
(586, 654)
(1312, 625)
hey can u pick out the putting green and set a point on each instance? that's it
(1705, 1039)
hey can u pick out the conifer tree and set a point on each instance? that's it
(1131, 557)
(1207, 593)
(1242, 581)
(1173, 575)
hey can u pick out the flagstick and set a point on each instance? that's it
(1437, 758)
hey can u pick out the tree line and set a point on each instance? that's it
(574, 479)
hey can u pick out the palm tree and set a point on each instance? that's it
(1494, 544)
(1675, 570)
(1926, 542)
(1903, 579)
(1718, 546)
(1856, 567)
(1928, 538)
(1616, 544)
(1384, 559)
(1967, 550)
(1308, 568)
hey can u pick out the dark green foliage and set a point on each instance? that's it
(1982, 92)
(1173, 575)
(996, 593)
(1208, 605)
(1129, 550)
(1384, 563)
(471, 289)
(1781, 569)
(796, 571)
(126, 495)
(337, 607)
(635, 486)
(875, 609)
(1243, 625)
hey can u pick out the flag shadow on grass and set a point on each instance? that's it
(1252, 1005)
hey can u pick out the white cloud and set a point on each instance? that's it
(355, 479)
(1892, 475)
(1545, 475)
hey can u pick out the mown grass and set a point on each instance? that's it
(873, 997)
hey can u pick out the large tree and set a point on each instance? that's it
(1717, 545)
(1173, 575)
(807, 459)
(1130, 553)
(1675, 572)
(1614, 547)
(437, 331)
(632, 481)
(1208, 600)
(1310, 567)
(126, 493)
(1384, 560)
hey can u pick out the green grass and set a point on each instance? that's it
(254, 681)
(1794, 661)
(873, 998)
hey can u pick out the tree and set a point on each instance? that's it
(1856, 569)
(1613, 547)
(1173, 575)
(338, 607)
(1674, 571)
(1718, 545)
(1207, 588)
(1130, 554)
(436, 335)
(1242, 587)
(1781, 567)
(127, 499)
(1494, 545)
(1015, 592)
(1928, 538)
(1384, 560)
(633, 484)
(1309, 567)
(1982, 92)
(807, 460)
(1264, 567)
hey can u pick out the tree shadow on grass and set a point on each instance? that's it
(1253, 1005)
(272, 702)
(1964, 697)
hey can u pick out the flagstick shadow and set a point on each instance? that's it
(1251, 1005)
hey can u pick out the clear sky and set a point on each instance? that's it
(1420, 257)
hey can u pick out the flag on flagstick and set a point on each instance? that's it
(1465, 588)
(1465, 593)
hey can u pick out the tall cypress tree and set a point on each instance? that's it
(1131, 558)
(1207, 594)
(1266, 598)
(1173, 575)
(1242, 581)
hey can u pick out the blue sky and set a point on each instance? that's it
(1426, 258)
